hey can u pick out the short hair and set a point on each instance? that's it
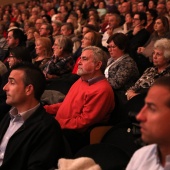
(21, 53)
(65, 43)
(90, 27)
(69, 26)
(163, 44)
(34, 76)
(164, 82)
(153, 13)
(118, 18)
(99, 55)
(121, 41)
(19, 34)
(48, 27)
(142, 16)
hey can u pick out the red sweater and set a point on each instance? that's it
(84, 105)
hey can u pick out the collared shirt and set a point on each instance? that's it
(147, 158)
(17, 120)
(95, 80)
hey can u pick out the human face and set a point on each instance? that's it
(58, 50)
(114, 51)
(43, 31)
(87, 40)
(12, 60)
(15, 89)
(141, 7)
(112, 21)
(136, 20)
(159, 59)
(87, 66)
(30, 35)
(64, 31)
(12, 42)
(158, 26)
(128, 18)
(39, 48)
(155, 115)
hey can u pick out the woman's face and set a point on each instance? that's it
(39, 48)
(114, 50)
(128, 18)
(158, 26)
(58, 50)
(159, 59)
(87, 40)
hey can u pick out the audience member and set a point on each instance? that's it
(161, 30)
(121, 71)
(138, 36)
(113, 27)
(62, 61)
(43, 49)
(161, 61)
(67, 30)
(28, 131)
(77, 113)
(154, 125)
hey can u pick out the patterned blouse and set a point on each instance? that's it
(149, 77)
(122, 73)
(59, 66)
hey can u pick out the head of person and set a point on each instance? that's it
(46, 30)
(43, 47)
(161, 25)
(18, 55)
(30, 33)
(152, 4)
(67, 29)
(16, 37)
(88, 27)
(93, 62)
(114, 20)
(91, 38)
(62, 46)
(26, 83)
(129, 18)
(161, 8)
(151, 14)
(142, 6)
(38, 23)
(139, 18)
(117, 45)
(56, 26)
(161, 53)
(154, 116)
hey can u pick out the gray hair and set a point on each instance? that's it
(163, 44)
(99, 55)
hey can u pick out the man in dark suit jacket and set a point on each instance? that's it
(29, 137)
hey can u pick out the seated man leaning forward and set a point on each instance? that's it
(29, 137)
(90, 100)
(155, 128)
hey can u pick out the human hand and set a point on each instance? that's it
(130, 94)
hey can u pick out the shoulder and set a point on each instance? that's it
(142, 158)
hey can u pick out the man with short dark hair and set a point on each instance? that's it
(29, 137)
(155, 128)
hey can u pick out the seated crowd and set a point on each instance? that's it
(80, 64)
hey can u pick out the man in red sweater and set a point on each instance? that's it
(90, 100)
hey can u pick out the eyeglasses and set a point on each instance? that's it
(111, 46)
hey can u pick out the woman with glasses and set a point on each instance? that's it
(121, 71)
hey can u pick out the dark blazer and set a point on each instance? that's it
(36, 145)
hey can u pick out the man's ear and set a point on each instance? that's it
(29, 89)
(98, 65)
